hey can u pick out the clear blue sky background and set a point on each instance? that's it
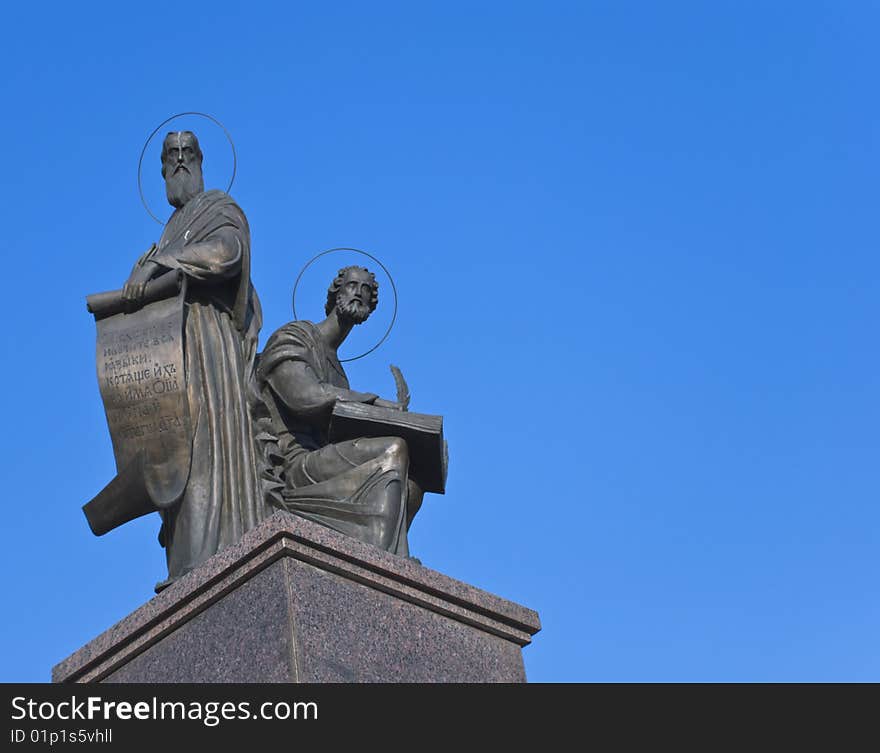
(636, 249)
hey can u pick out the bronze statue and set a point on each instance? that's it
(216, 493)
(213, 436)
(361, 486)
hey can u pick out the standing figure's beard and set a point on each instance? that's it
(352, 311)
(182, 185)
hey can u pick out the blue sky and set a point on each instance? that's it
(636, 252)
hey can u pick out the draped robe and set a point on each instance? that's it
(222, 499)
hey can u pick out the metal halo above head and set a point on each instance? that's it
(157, 129)
(384, 269)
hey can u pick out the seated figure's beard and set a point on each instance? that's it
(182, 185)
(352, 311)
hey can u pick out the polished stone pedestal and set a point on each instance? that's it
(294, 601)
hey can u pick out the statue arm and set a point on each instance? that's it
(296, 383)
(216, 258)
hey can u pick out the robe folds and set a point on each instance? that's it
(222, 499)
(291, 446)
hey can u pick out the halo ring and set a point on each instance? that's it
(156, 130)
(384, 269)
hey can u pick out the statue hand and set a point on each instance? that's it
(133, 290)
(143, 259)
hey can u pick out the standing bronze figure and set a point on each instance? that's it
(206, 244)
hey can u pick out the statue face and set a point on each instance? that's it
(180, 151)
(353, 298)
(182, 167)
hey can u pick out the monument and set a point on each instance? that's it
(285, 496)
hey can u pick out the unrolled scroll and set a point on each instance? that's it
(140, 363)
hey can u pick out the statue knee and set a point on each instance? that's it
(397, 451)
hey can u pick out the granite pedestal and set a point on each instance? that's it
(294, 601)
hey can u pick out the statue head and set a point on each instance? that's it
(182, 167)
(354, 294)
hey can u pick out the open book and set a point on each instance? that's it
(423, 434)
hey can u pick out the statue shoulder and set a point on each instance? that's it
(215, 200)
(214, 203)
(301, 332)
(215, 194)
(297, 340)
